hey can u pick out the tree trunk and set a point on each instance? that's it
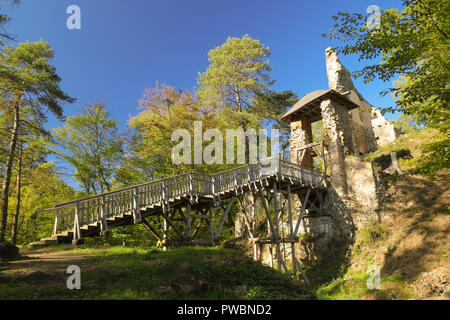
(18, 188)
(9, 164)
(246, 142)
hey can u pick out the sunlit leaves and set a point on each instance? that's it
(91, 144)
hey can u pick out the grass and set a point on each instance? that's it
(182, 273)
(341, 278)
(370, 233)
(353, 286)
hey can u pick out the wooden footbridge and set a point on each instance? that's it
(186, 202)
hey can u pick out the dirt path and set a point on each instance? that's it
(46, 262)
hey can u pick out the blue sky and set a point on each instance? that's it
(125, 46)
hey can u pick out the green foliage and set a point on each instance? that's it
(91, 144)
(128, 236)
(320, 272)
(353, 287)
(436, 156)
(420, 151)
(237, 79)
(165, 109)
(238, 70)
(406, 124)
(27, 75)
(271, 107)
(372, 232)
(42, 188)
(30, 86)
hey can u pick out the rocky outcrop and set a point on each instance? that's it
(8, 251)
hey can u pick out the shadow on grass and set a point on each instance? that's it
(183, 273)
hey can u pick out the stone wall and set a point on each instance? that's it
(338, 138)
(384, 131)
(362, 184)
(301, 133)
(298, 139)
(360, 145)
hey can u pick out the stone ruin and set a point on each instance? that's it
(352, 128)
(370, 128)
(365, 128)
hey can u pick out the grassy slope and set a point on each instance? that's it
(183, 273)
(411, 243)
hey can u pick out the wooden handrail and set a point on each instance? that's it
(193, 184)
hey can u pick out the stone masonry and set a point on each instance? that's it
(371, 130)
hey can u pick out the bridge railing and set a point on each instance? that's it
(94, 208)
(296, 173)
(128, 200)
(235, 178)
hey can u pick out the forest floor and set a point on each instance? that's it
(127, 273)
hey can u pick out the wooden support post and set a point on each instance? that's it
(169, 223)
(270, 245)
(277, 227)
(246, 220)
(188, 222)
(324, 161)
(76, 226)
(213, 189)
(284, 265)
(251, 227)
(197, 228)
(152, 230)
(165, 198)
(166, 233)
(104, 222)
(211, 223)
(136, 207)
(55, 227)
(266, 209)
(224, 216)
(305, 200)
(291, 231)
(255, 248)
(303, 272)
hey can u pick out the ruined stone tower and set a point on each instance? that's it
(351, 128)
(370, 129)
